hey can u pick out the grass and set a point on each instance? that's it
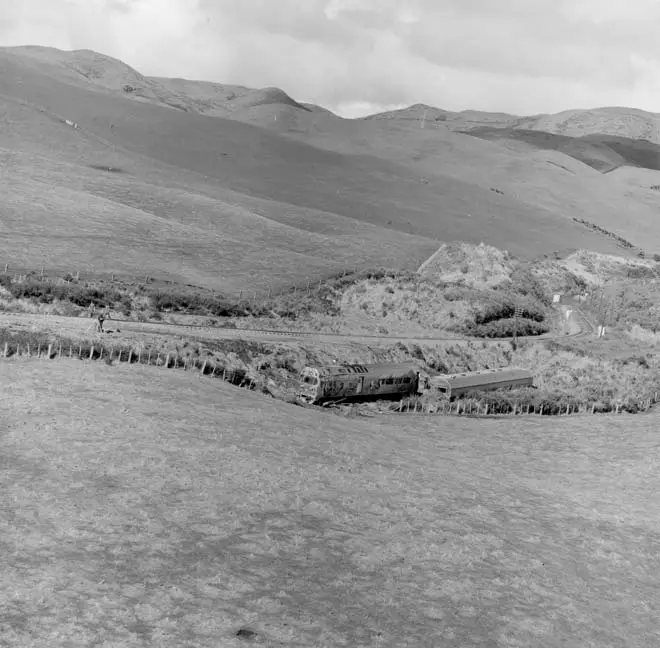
(142, 507)
(230, 206)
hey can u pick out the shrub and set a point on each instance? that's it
(507, 327)
(506, 310)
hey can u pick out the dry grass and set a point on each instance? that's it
(141, 507)
(224, 204)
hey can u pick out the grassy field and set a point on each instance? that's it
(145, 507)
(226, 204)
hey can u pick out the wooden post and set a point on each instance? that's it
(167, 361)
(486, 409)
(91, 352)
(78, 275)
(224, 374)
(60, 351)
(6, 349)
(101, 353)
(28, 349)
(130, 355)
(50, 351)
(149, 357)
(139, 355)
(158, 359)
(204, 366)
(70, 351)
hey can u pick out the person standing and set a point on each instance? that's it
(101, 319)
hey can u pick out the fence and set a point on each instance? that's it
(90, 352)
(477, 408)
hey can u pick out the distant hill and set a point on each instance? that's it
(628, 123)
(463, 120)
(230, 187)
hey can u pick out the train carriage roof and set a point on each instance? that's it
(479, 378)
(369, 370)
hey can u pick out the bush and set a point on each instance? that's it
(505, 310)
(506, 328)
(189, 302)
(523, 282)
(45, 292)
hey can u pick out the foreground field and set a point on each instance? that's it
(144, 507)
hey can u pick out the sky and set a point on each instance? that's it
(358, 57)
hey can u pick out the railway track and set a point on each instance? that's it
(584, 329)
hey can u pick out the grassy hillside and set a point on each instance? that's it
(601, 152)
(533, 174)
(144, 506)
(223, 181)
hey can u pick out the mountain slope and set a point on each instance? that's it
(223, 201)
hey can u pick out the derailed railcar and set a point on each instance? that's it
(455, 385)
(350, 382)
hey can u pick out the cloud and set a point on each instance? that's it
(520, 56)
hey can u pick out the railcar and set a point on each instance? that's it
(455, 385)
(351, 382)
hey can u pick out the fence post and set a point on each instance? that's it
(149, 357)
(91, 352)
(204, 366)
(130, 355)
(50, 350)
(6, 349)
(167, 361)
(70, 351)
(60, 351)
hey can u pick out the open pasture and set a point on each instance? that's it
(143, 507)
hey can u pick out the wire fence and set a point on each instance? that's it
(481, 408)
(91, 352)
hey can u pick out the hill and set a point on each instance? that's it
(460, 121)
(613, 121)
(630, 123)
(223, 202)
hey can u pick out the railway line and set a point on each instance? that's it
(582, 328)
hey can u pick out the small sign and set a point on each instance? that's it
(569, 312)
(556, 298)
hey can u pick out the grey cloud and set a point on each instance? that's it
(501, 55)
